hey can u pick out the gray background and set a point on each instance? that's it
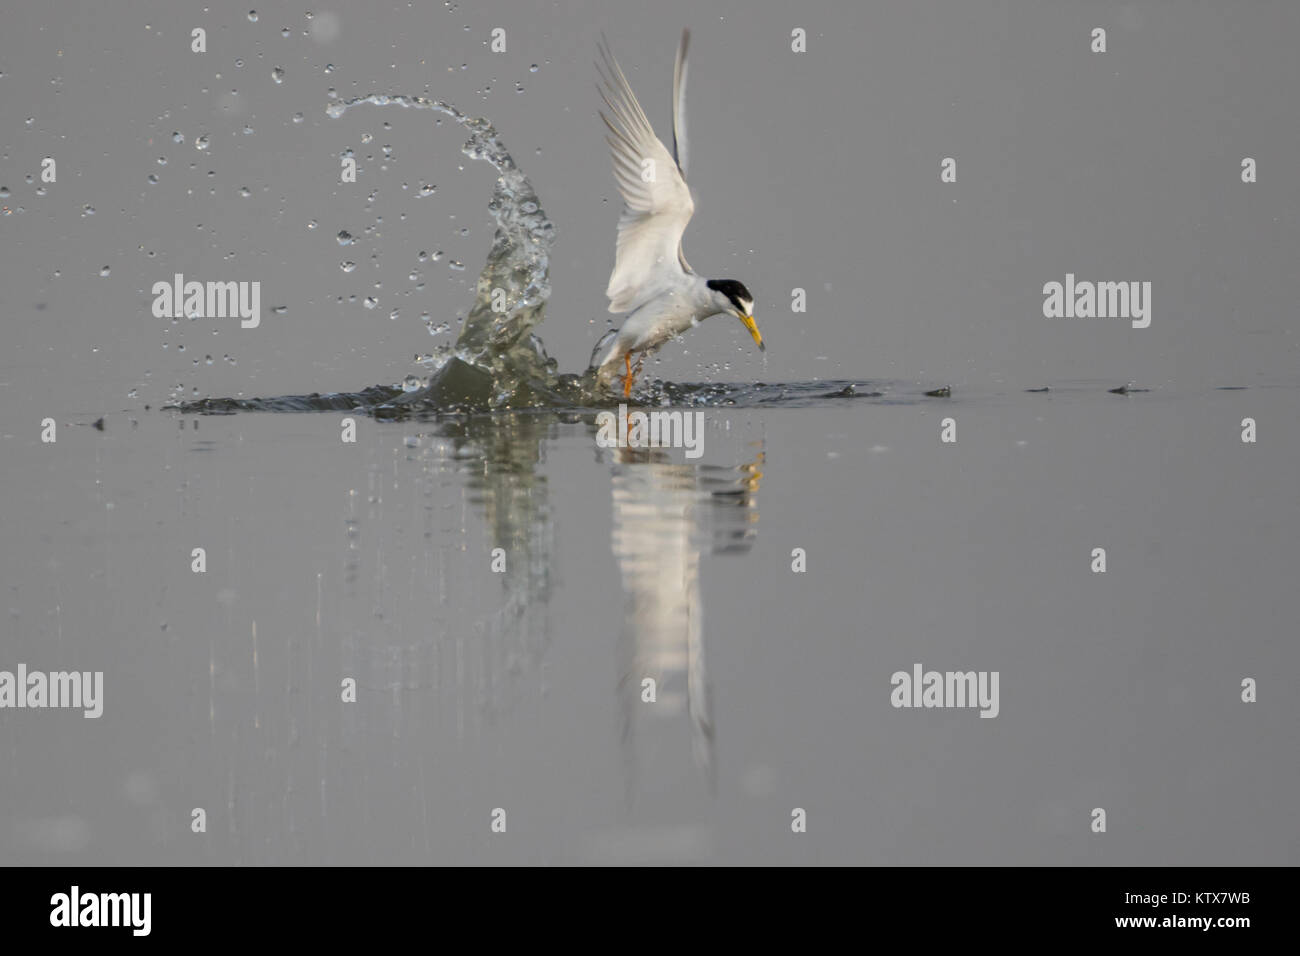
(818, 170)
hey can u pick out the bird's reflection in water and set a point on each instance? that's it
(480, 662)
(665, 515)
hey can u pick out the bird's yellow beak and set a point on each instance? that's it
(748, 322)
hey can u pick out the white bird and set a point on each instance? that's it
(652, 280)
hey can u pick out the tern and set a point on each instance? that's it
(652, 281)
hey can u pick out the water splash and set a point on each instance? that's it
(514, 284)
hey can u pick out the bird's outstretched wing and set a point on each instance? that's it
(679, 104)
(657, 202)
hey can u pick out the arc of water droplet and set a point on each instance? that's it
(519, 260)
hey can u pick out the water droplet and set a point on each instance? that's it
(312, 225)
(4, 192)
(428, 190)
(239, 63)
(153, 179)
(344, 237)
(245, 191)
(201, 143)
(534, 68)
(436, 257)
(280, 309)
(410, 384)
(88, 210)
(252, 16)
(297, 117)
(348, 266)
(162, 160)
(207, 359)
(104, 271)
(370, 302)
(456, 266)
(278, 75)
(367, 137)
(394, 314)
(178, 137)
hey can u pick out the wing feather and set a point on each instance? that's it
(679, 104)
(679, 121)
(655, 214)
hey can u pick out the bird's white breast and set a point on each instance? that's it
(675, 310)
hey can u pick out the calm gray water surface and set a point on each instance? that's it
(521, 690)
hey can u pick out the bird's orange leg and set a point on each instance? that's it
(627, 379)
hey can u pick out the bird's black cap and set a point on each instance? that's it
(733, 290)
